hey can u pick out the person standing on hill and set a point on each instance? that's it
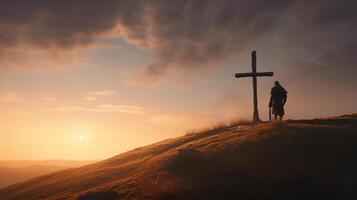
(278, 99)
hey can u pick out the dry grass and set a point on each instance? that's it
(213, 127)
(239, 122)
(220, 126)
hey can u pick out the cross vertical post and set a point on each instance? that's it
(255, 93)
(254, 74)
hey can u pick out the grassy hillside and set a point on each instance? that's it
(303, 159)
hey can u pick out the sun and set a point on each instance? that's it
(81, 138)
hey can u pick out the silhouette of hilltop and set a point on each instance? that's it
(296, 159)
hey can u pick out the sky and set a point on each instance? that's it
(86, 80)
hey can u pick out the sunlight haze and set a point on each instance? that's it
(91, 89)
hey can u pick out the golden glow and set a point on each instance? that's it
(81, 138)
(93, 113)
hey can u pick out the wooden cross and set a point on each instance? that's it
(254, 75)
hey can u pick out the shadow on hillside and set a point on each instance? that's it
(190, 161)
(313, 164)
(331, 121)
(101, 195)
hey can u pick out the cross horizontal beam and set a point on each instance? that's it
(242, 75)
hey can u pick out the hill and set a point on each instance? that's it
(30, 163)
(301, 159)
(12, 172)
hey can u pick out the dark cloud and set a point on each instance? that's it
(335, 68)
(184, 34)
(62, 23)
(193, 33)
(327, 12)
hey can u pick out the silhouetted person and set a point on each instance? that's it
(278, 99)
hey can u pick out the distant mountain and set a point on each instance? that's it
(29, 163)
(12, 172)
(301, 159)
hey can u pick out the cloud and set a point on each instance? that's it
(103, 93)
(49, 99)
(101, 108)
(6, 96)
(19, 113)
(333, 69)
(90, 98)
(119, 108)
(68, 108)
(37, 35)
(191, 35)
(181, 34)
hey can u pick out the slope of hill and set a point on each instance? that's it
(17, 171)
(302, 159)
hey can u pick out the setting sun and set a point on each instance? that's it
(81, 138)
